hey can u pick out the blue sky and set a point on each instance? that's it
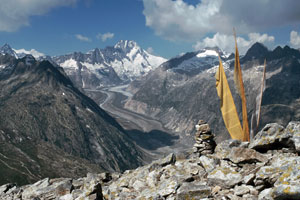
(166, 27)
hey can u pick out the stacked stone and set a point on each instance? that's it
(205, 143)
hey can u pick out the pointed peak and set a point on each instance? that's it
(212, 51)
(6, 46)
(256, 51)
(6, 49)
(258, 45)
(126, 44)
(286, 48)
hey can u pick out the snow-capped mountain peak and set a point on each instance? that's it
(126, 45)
(22, 52)
(126, 61)
(6, 49)
(193, 63)
(207, 52)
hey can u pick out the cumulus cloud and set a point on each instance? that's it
(82, 38)
(295, 39)
(178, 20)
(16, 13)
(226, 42)
(105, 36)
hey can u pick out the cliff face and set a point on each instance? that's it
(47, 126)
(266, 168)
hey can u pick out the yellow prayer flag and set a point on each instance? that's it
(228, 109)
(238, 80)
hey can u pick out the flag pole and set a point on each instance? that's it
(261, 94)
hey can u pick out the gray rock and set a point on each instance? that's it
(248, 179)
(223, 149)
(36, 189)
(241, 190)
(224, 176)
(167, 187)
(6, 187)
(265, 194)
(153, 178)
(208, 163)
(139, 185)
(193, 191)
(249, 197)
(283, 192)
(170, 159)
(293, 129)
(272, 136)
(244, 155)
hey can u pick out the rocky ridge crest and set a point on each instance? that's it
(266, 168)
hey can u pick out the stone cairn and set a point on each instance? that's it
(205, 143)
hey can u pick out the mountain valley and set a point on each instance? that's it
(154, 107)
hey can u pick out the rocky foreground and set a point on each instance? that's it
(266, 168)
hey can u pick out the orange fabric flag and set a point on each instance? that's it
(228, 109)
(238, 80)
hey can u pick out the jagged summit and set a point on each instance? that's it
(192, 63)
(6, 49)
(260, 52)
(20, 53)
(256, 51)
(126, 45)
(123, 62)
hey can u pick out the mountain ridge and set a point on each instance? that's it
(123, 62)
(183, 97)
(45, 117)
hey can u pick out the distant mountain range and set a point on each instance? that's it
(123, 62)
(182, 90)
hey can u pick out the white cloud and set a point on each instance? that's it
(82, 38)
(33, 52)
(226, 42)
(150, 50)
(16, 13)
(295, 39)
(178, 20)
(105, 36)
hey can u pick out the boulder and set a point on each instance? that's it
(193, 191)
(244, 155)
(223, 149)
(6, 187)
(170, 159)
(293, 129)
(272, 136)
(241, 190)
(208, 163)
(224, 176)
(282, 192)
(265, 194)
